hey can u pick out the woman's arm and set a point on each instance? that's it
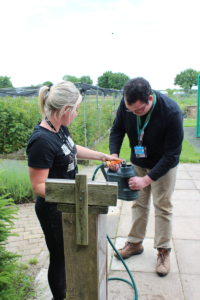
(38, 178)
(84, 153)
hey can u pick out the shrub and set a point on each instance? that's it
(18, 118)
(15, 283)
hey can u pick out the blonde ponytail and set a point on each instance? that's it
(42, 98)
(55, 98)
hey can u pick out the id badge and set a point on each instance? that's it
(140, 151)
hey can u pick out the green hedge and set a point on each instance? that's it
(19, 116)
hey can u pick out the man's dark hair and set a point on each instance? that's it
(137, 89)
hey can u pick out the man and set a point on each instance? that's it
(154, 125)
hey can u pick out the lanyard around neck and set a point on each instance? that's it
(64, 138)
(139, 129)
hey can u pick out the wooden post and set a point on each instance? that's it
(84, 206)
(81, 195)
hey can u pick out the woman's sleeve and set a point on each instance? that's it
(40, 154)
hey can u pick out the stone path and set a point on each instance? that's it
(182, 283)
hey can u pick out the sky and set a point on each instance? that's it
(43, 40)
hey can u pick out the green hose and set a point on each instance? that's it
(129, 273)
(115, 278)
(95, 172)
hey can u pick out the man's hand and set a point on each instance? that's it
(138, 183)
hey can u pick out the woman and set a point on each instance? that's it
(53, 154)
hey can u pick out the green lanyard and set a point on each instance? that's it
(140, 131)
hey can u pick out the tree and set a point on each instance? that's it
(47, 83)
(118, 80)
(74, 79)
(86, 79)
(71, 78)
(187, 79)
(5, 82)
(112, 80)
(102, 81)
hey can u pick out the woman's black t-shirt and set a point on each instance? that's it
(45, 150)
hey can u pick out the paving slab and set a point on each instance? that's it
(186, 195)
(187, 253)
(41, 283)
(194, 175)
(186, 208)
(183, 184)
(149, 286)
(191, 286)
(197, 183)
(145, 262)
(183, 175)
(113, 219)
(115, 210)
(112, 226)
(187, 228)
(181, 167)
(126, 207)
(110, 252)
(192, 167)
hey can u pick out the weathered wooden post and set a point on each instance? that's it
(84, 206)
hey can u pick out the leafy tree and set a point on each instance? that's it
(86, 79)
(74, 79)
(112, 80)
(187, 79)
(47, 83)
(71, 78)
(118, 80)
(103, 80)
(5, 82)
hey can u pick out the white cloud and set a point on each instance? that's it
(44, 40)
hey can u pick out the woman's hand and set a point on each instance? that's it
(116, 167)
(138, 183)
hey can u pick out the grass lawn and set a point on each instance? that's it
(189, 122)
(188, 154)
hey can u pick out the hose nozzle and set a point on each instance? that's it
(112, 162)
(123, 163)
